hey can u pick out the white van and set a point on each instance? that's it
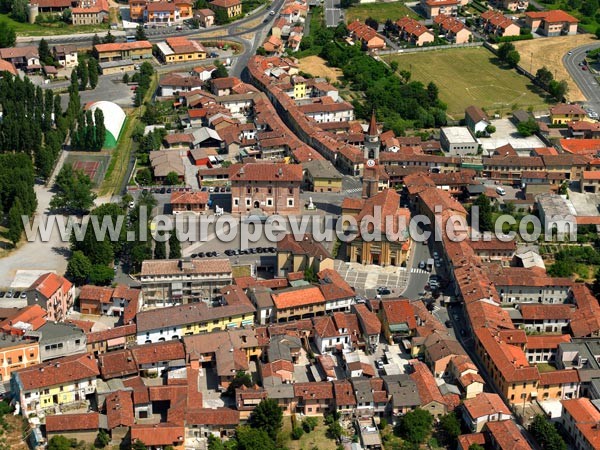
(500, 191)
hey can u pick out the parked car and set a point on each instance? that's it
(2, 294)
(422, 265)
(448, 324)
(9, 294)
(379, 364)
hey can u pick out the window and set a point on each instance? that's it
(77, 341)
(247, 202)
(20, 358)
(236, 202)
(9, 360)
(270, 190)
(290, 202)
(269, 202)
(290, 191)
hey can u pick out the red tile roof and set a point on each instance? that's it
(581, 146)
(485, 404)
(160, 434)
(586, 417)
(295, 297)
(537, 311)
(428, 389)
(314, 391)
(398, 311)
(212, 417)
(559, 377)
(123, 46)
(59, 371)
(544, 342)
(552, 16)
(265, 172)
(73, 422)
(369, 321)
(49, 283)
(119, 409)
(507, 435)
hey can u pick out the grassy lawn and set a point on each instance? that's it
(380, 12)
(119, 162)
(545, 367)
(28, 29)
(314, 439)
(469, 76)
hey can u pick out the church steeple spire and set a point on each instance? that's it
(373, 125)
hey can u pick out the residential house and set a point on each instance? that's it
(454, 30)
(173, 282)
(432, 399)
(579, 419)
(6, 66)
(206, 17)
(321, 176)
(325, 109)
(558, 385)
(164, 162)
(484, 408)
(298, 256)
(314, 399)
(476, 120)
(583, 129)
(25, 58)
(403, 393)
(298, 303)
(234, 310)
(554, 22)
(65, 55)
(520, 285)
(563, 113)
(590, 181)
(55, 383)
(266, 188)
(58, 339)
(174, 83)
(161, 13)
(180, 49)
(494, 250)
(196, 202)
(112, 339)
(54, 293)
(344, 397)
(545, 318)
(329, 334)
(370, 325)
(159, 435)
(439, 349)
(367, 36)
(119, 51)
(505, 435)
(232, 7)
(137, 9)
(339, 295)
(497, 24)
(16, 352)
(109, 301)
(433, 8)
(414, 32)
(92, 13)
(397, 319)
(55, 6)
(513, 5)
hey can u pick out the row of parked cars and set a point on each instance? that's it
(215, 189)
(13, 294)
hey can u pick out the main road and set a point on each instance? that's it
(585, 80)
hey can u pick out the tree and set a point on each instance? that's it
(485, 213)
(297, 433)
(414, 426)
(596, 284)
(78, 268)
(73, 191)
(451, 426)
(93, 73)
(432, 91)
(249, 438)
(394, 66)
(546, 434)
(589, 8)
(241, 379)
(172, 179)
(221, 71)
(504, 49)
(140, 34)
(138, 445)
(67, 16)
(221, 16)
(83, 75)
(214, 443)
(513, 58)
(174, 246)
(144, 176)
(598, 33)
(544, 76)
(109, 38)
(267, 416)
(8, 37)
(101, 275)
(59, 443)
(558, 89)
(160, 250)
(102, 440)
(334, 430)
(370, 22)
(490, 129)
(476, 447)
(528, 127)
(15, 222)
(19, 10)
(45, 54)
(96, 40)
(125, 78)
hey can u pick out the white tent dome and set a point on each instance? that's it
(114, 118)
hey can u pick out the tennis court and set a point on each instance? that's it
(94, 166)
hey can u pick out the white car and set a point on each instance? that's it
(272, 13)
(131, 204)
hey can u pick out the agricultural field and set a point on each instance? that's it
(470, 76)
(318, 67)
(537, 53)
(380, 12)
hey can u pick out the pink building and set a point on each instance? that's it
(54, 293)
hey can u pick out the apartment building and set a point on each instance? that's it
(175, 282)
(54, 293)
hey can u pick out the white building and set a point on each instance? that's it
(458, 141)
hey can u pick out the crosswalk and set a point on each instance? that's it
(416, 270)
(352, 191)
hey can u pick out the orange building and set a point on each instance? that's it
(136, 9)
(16, 353)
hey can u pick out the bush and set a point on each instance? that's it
(309, 424)
(297, 433)
(522, 37)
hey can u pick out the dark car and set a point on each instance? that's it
(251, 251)
(259, 250)
(201, 255)
(384, 292)
(2, 294)
(230, 252)
(448, 324)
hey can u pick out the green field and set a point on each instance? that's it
(380, 12)
(469, 76)
(32, 29)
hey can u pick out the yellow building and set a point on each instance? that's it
(165, 324)
(125, 50)
(179, 49)
(232, 7)
(59, 382)
(507, 364)
(564, 113)
(297, 256)
(298, 303)
(299, 84)
(321, 176)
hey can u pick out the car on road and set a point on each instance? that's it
(379, 364)
(2, 294)
(200, 254)
(438, 264)
(422, 265)
(272, 13)
(463, 332)
(569, 53)
(583, 68)
(230, 252)
(435, 254)
(448, 324)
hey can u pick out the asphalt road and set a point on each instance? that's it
(584, 79)
(333, 13)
